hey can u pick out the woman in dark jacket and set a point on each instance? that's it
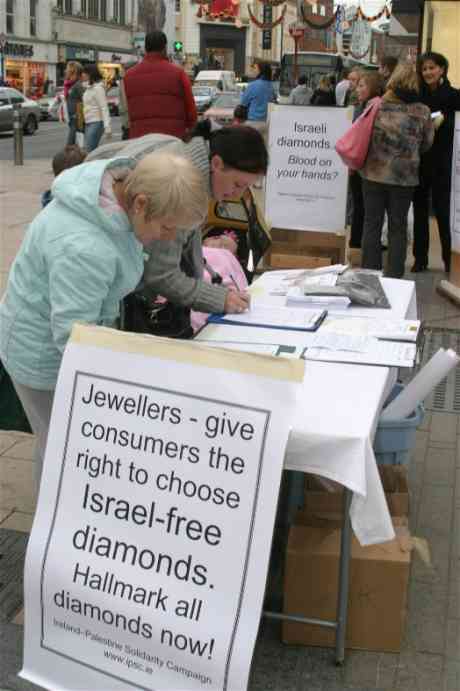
(324, 94)
(436, 165)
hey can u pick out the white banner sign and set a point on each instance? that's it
(455, 193)
(306, 180)
(147, 561)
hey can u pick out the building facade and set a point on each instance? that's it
(43, 35)
(220, 33)
(441, 31)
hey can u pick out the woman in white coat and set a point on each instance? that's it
(95, 108)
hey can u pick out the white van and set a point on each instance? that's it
(223, 80)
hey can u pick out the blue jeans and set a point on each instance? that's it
(93, 134)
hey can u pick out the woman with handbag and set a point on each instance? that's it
(368, 87)
(73, 97)
(436, 165)
(402, 131)
(81, 256)
(95, 108)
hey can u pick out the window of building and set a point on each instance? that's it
(116, 10)
(314, 9)
(10, 16)
(93, 9)
(33, 17)
(103, 9)
(122, 18)
(83, 8)
(68, 9)
(177, 5)
(322, 10)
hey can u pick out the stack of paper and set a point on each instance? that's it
(384, 329)
(360, 350)
(297, 297)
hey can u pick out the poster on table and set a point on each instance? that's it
(455, 193)
(306, 180)
(147, 561)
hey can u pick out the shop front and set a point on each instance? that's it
(30, 68)
(111, 64)
(441, 29)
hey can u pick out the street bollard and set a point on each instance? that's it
(18, 136)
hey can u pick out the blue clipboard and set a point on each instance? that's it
(219, 319)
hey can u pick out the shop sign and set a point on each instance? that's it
(80, 53)
(18, 50)
(120, 58)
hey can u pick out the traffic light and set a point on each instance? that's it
(178, 46)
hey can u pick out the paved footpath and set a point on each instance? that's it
(430, 657)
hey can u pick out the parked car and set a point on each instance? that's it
(55, 103)
(30, 110)
(204, 96)
(113, 100)
(45, 102)
(222, 109)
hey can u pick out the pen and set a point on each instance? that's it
(234, 282)
(244, 297)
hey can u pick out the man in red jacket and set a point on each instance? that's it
(158, 93)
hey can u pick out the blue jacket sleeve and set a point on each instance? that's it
(78, 286)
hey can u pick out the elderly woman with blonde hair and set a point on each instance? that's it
(81, 256)
(403, 130)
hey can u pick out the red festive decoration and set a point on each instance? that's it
(272, 3)
(266, 25)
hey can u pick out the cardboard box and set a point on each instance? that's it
(324, 498)
(379, 577)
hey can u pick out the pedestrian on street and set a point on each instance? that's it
(158, 93)
(342, 88)
(73, 99)
(95, 108)
(324, 94)
(369, 86)
(387, 66)
(230, 159)
(403, 130)
(436, 166)
(70, 156)
(300, 94)
(258, 95)
(81, 256)
(123, 105)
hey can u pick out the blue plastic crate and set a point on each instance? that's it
(394, 441)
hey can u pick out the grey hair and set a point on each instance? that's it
(173, 186)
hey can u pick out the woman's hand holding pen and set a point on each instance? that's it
(236, 302)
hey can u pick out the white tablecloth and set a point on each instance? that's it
(333, 430)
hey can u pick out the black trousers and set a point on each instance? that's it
(357, 221)
(395, 200)
(436, 180)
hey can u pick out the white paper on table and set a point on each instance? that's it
(297, 298)
(277, 317)
(384, 353)
(385, 329)
(322, 280)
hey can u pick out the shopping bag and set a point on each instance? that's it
(80, 139)
(12, 415)
(353, 147)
